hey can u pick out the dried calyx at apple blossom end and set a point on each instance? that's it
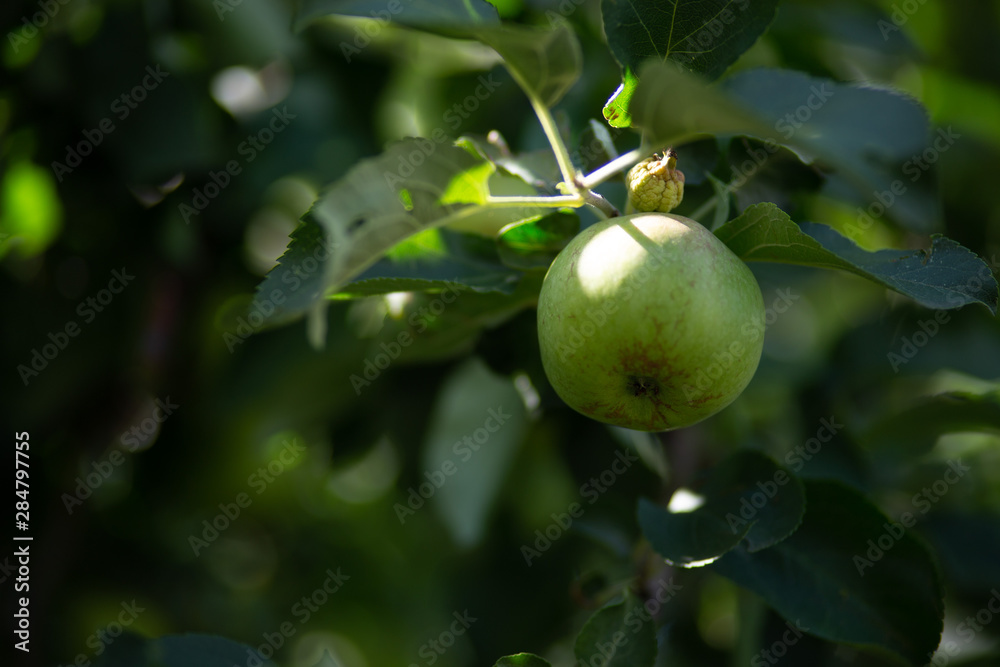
(655, 184)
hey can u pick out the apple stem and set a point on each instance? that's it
(604, 208)
(578, 187)
(566, 167)
(619, 164)
(549, 201)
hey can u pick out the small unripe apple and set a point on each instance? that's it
(650, 322)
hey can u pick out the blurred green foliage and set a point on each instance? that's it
(115, 202)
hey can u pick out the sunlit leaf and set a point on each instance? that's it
(534, 243)
(378, 204)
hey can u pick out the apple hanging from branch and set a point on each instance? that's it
(650, 322)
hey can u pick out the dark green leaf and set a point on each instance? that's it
(440, 326)
(703, 36)
(471, 475)
(621, 634)
(365, 287)
(916, 429)
(427, 14)
(850, 575)
(435, 260)
(522, 660)
(748, 496)
(761, 173)
(945, 276)
(865, 137)
(535, 243)
(673, 107)
(545, 63)
(298, 281)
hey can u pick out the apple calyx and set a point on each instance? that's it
(640, 385)
(655, 184)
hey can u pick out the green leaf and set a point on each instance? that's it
(868, 139)
(616, 109)
(446, 325)
(533, 244)
(178, 651)
(544, 62)
(946, 276)
(488, 221)
(621, 634)
(477, 425)
(916, 429)
(298, 281)
(383, 200)
(703, 36)
(865, 138)
(519, 173)
(522, 660)
(379, 203)
(424, 14)
(850, 575)
(748, 497)
(435, 260)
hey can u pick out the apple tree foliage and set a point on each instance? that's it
(787, 168)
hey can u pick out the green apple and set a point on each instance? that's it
(650, 322)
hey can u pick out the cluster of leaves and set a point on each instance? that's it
(399, 221)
